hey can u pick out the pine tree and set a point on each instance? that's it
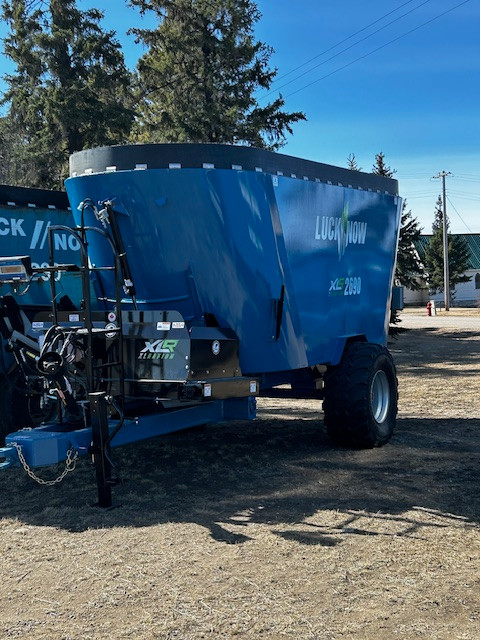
(198, 78)
(19, 127)
(352, 163)
(409, 267)
(70, 89)
(458, 255)
(380, 168)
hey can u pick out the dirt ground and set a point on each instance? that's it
(264, 529)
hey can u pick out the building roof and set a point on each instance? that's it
(472, 240)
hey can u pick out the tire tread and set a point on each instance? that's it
(347, 414)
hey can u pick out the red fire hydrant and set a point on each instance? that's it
(429, 308)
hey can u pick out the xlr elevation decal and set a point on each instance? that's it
(158, 350)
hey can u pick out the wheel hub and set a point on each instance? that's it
(380, 396)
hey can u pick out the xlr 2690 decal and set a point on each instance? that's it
(350, 286)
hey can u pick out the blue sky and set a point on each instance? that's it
(416, 98)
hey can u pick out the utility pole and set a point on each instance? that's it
(446, 275)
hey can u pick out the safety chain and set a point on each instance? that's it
(70, 464)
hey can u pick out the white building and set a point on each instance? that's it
(466, 294)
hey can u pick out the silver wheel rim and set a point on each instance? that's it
(380, 396)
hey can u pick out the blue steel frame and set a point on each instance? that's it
(47, 445)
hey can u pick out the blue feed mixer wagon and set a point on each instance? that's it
(220, 273)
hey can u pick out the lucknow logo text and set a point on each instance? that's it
(342, 230)
(158, 350)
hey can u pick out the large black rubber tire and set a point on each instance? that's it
(361, 397)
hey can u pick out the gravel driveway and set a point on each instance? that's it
(455, 319)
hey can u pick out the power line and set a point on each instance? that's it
(466, 178)
(421, 195)
(403, 35)
(471, 197)
(423, 192)
(320, 64)
(453, 206)
(429, 195)
(465, 193)
(304, 64)
(414, 176)
(467, 175)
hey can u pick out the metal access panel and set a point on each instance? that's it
(214, 353)
(156, 346)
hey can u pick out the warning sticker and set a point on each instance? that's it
(164, 326)
(73, 317)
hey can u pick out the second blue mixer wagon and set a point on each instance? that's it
(221, 272)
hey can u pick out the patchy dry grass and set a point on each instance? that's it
(265, 530)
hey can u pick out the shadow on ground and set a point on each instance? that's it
(281, 470)
(432, 351)
(275, 472)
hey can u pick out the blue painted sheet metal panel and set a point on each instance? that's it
(341, 245)
(205, 241)
(226, 241)
(24, 231)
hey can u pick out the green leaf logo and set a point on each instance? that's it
(342, 237)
